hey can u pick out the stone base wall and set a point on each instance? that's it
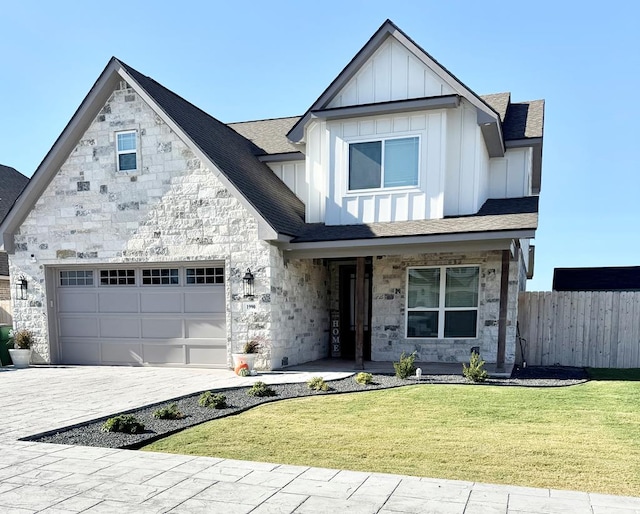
(389, 302)
(300, 310)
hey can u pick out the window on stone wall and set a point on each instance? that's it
(117, 277)
(442, 302)
(76, 278)
(384, 163)
(127, 152)
(205, 275)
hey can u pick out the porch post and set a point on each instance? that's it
(504, 298)
(360, 312)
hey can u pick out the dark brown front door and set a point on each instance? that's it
(348, 311)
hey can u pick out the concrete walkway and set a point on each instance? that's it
(37, 477)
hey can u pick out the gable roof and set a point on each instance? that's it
(12, 182)
(269, 135)
(622, 278)
(488, 118)
(232, 154)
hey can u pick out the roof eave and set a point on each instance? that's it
(493, 240)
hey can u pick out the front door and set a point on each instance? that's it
(348, 311)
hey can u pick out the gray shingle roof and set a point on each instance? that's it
(234, 155)
(269, 135)
(12, 182)
(495, 215)
(519, 121)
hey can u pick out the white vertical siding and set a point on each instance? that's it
(423, 201)
(510, 176)
(316, 168)
(392, 73)
(293, 175)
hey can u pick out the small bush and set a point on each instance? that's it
(318, 384)
(212, 400)
(125, 423)
(364, 378)
(405, 368)
(23, 339)
(168, 412)
(475, 371)
(260, 389)
(252, 346)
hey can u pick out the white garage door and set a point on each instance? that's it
(156, 315)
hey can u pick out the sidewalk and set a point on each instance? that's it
(37, 477)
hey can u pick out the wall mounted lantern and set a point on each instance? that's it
(21, 287)
(247, 282)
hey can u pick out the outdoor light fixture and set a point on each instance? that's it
(21, 288)
(247, 282)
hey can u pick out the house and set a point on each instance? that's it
(12, 183)
(395, 215)
(619, 278)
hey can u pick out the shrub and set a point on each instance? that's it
(168, 412)
(260, 389)
(405, 368)
(318, 384)
(212, 400)
(475, 371)
(23, 339)
(125, 423)
(364, 378)
(252, 346)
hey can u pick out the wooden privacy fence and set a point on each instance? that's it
(5, 312)
(594, 328)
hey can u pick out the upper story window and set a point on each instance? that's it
(127, 145)
(384, 163)
(442, 302)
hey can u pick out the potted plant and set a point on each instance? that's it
(243, 363)
(21, 351)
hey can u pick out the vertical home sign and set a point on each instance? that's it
(335, 334)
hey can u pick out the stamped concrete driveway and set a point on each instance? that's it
(37, 477)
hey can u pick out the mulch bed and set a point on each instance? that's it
(91, 434)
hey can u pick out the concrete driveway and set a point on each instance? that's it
(37, 477)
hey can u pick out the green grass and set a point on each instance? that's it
(585, 437)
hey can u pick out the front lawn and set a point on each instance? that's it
(584, 437)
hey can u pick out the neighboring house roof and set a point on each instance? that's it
(494, 216)
(624, 278)
(12, 183)
(269, 135)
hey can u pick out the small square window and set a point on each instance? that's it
(117, 277)
(76, 278)
(160, 277)
(205, 275)
(127, 143)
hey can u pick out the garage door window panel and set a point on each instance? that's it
(117, 277)
(76, 278)
(160, 277)
(196, 276)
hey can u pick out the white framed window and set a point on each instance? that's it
(384, 163)
(127, 150)
(117, 277)
(442, 302)
(209, 275)
(73, 278)
(160, 277)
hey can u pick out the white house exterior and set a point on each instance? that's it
(394, 216)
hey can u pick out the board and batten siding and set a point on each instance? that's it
(599, 329)
(392, 73)
(510, 176)
(293, 175)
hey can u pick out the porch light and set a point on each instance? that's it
(247, 282)
(21, 287)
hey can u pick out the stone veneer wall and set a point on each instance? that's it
(388, 309)
(173, 209)
(300, 293)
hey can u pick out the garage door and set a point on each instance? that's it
(169, 315)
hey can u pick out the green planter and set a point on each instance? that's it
(4, 342)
